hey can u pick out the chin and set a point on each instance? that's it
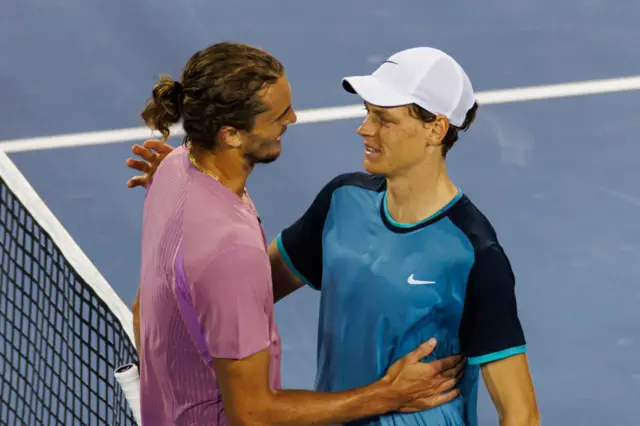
(267, 160)
(268, 157)
(265, 155)
(374, 168)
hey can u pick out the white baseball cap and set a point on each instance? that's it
(425, 76)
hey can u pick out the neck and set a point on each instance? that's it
(420, 192)
(228, 165)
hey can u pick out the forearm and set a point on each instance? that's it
(305, 408)
(408, 386)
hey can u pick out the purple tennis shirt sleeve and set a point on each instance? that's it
(230, 297)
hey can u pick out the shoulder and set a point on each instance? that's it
(178, 151)
(174, 160)
(361, 180)
(216, 229)
(490, 259)
(170, 173)
(323, 201)
(491, 276)
(300, 244)
(467, 217)
(358, 179)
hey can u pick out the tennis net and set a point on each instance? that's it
(63, 329)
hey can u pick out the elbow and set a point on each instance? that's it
(529, 416)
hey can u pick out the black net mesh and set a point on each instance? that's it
(59, 342)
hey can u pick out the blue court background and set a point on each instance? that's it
(558, 178)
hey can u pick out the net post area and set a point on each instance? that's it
(63, 330)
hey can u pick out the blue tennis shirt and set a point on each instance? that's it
(387, 287)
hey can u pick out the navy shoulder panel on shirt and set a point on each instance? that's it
(300, 244)
(473, 223)
(490, 328)
(363, 180)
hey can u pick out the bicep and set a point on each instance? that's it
(511, 389)
(285, 281)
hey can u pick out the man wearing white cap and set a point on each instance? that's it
(400, 254)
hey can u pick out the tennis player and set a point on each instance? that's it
(401, 253)
(209, 345)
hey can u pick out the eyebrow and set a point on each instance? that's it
(379, 112)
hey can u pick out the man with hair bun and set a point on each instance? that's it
(208, 342)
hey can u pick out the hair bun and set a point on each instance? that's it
(164, 108)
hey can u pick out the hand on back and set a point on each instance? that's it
(152, 152)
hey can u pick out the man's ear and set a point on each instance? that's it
(229, 137)
(441, 127)
(438, 129)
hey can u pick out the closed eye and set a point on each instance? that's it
(286, 111)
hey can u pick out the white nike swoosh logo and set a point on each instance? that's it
(413, 281)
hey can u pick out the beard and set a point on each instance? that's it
(263, 150)
(261, 159)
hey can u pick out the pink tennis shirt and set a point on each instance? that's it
(205, 292)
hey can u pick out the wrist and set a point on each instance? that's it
(389, 398)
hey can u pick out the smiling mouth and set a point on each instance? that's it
(283, 132)
(371, 150)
